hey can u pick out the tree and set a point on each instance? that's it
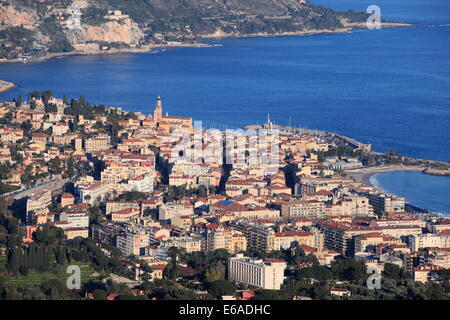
(220, 288)
(171, 269)
(27, 177)
(61, 256)
(349, 269)
(54, 166)
(320, 292)
(213, 274)
(23, 270)
(152, 213)
(392, 271)
(70, 167)
(320, 273)
(271, 295)
(53, 288)
(99, 294)
(94, 215)
(444, 274)
(49, 235)
(147, 272)
(202, 191)
(50, 107)
(14, 260)
(132, 196)
(19, 101)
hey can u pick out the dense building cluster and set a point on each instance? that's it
(129, 184)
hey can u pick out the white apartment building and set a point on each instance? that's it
(75, 219)
(170, 210)
(385, 202)
(302, 209)
(191, 244)
(142, 183)
(133, 241)
(425, 241)
(268, 274)
(89, 192)
(37, 201)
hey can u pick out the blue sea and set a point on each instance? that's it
(422, 190)
(388, 87)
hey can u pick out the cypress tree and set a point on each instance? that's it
(14, 261)
(40, 258)
(19, 101)
(32, 256)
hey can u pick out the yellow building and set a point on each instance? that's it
(169, 123)
(231, 240)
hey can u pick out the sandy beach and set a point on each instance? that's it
(363, 175)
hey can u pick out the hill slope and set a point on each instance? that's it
(33, 28)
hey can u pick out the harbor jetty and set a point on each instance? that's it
(5, 86)
(325, 135)
(431, 167)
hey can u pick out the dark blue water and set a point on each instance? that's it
(422, 190)
(388, 87)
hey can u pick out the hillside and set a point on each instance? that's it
(34, 28)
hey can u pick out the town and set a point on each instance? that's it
(154, 206)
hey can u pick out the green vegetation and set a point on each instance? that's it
(131, 196)
(38, 271)
(82, 107)
(93, 16)
(53, 29)
(15, 41)
(179, 192)
(35, 278)
(169, 20)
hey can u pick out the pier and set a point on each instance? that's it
(5, 86)
(325, 135)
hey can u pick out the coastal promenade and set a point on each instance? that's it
(5, 86)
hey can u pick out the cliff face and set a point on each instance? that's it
(126, 32)
(32, 28)
(11, 15)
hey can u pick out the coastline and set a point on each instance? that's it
(348, 27)
(146, 49)
(437, 172)
(364, 174)
(6, 86)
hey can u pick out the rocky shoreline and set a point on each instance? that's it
(146, 49)
(150, 48)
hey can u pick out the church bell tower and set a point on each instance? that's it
(157, 113)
